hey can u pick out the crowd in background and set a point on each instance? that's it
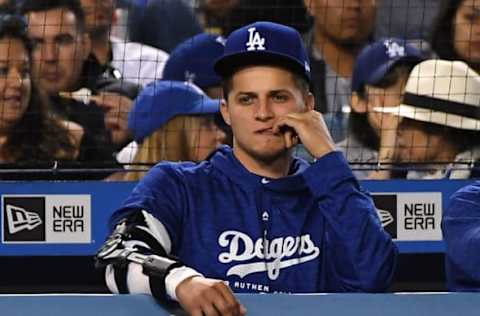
(106, 85)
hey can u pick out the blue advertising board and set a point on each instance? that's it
(70, 218)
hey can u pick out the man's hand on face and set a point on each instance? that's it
(309, 128)
(201, 296)
(116, 109)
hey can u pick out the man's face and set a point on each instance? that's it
(259, 96)
(60, 49)
(346, 22)
(99, 15)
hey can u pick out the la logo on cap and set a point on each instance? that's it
(393, 49)
(255, 42)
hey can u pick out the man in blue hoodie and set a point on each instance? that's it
(252, 218)
(460, 228)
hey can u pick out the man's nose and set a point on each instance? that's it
(263, 110)
(50, 52)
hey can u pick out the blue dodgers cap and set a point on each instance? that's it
(162, 100)
(378, 58)
(193, 60)
(264, 43)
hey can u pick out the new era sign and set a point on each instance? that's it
(46, 219)
(410, 215)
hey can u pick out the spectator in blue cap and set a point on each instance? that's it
(193, 60)
(252, 218)
(174, 121)
(379, 77)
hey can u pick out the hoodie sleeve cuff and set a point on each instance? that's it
(177, 276)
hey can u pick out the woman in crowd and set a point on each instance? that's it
(173, 121)
(29, 132)
(456, 33)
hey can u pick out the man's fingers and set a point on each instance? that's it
(232, 305)
(196, 312)
(209, 310)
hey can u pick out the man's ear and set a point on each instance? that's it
(224, 112)
(358, 104)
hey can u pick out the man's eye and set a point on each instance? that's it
(3, 71)
(245, 99)
(280, 97)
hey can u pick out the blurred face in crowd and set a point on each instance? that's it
(421, 142)
(60, 49)
(99, 14)
(258, 97)
(467, 31)
(344, 22)
(15, 84)
(204, 137)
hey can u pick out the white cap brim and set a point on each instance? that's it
(430, 116)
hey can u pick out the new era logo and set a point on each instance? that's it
(255, 41)
(23, 218)
(19, 219)
(385, 217)
(386, 205)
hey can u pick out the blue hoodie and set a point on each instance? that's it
(315, 230)
(461, 232)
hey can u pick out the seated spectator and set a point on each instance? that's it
(438, 121)
(30, 134)
(340, 31)
(63, 64)
(379, 77)
(460, 228)
(136, 62)
(173, 121)
(193, 61)
(456, 34)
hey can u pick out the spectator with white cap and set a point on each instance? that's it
(438, 120)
